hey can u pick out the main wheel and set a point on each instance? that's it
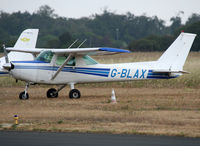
(52, 93)
(23, 96)
(74, 94)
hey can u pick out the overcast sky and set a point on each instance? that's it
(164, 9)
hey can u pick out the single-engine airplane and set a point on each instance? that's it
(71, 66)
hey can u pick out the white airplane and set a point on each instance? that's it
(73, 65)
(23, 43)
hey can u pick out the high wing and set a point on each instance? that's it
(80, 51)
(72, 52)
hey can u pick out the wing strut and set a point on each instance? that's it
(62, 66)
(72, 43)
(82, 43)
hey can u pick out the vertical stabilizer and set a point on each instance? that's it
(175, 56)
(27, 39)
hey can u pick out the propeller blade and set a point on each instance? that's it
(5, 53)
(8, 66)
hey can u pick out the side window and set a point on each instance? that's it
(61, 59)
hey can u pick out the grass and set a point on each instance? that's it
(13, 127)
(156, 107)
(139, 110)
(60, 122)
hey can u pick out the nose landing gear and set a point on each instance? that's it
(24, 95)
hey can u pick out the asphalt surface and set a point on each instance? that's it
(8, 138)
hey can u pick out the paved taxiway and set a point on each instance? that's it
(8, 138)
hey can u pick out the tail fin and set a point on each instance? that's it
(27, 39)
(175, 56)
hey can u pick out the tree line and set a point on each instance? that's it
(137, 33)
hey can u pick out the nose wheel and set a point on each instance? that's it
(24, 95)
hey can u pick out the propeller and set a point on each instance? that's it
(5, 53)
(8, 65)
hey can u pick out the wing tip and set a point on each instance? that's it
(114, 50)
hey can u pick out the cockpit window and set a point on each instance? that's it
(45, 56)
(61, 59)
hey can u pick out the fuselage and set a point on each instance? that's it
(41, 72)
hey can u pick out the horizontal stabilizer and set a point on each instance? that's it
(169, 71)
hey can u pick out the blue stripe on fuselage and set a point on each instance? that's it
(152, 75)
(90, 71)
(3, 73)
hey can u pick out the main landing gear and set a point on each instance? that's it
(73, 94)
(52, 92)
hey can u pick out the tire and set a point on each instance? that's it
(74, 94)
(52, 93)
(23, 96)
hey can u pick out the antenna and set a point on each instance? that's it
(72, 43)
(82, 43)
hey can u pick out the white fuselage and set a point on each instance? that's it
(40, 72)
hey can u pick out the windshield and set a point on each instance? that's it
(45, 56)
